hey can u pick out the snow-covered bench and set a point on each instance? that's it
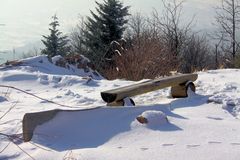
(179, 85)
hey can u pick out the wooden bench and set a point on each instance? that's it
(179, 86)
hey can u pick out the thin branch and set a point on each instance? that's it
(12, 140)
(33, 95)
(24, 151)
(5, 147)
(8, 111)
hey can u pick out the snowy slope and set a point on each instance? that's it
(204, 126)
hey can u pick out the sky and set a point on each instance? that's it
(25, 21)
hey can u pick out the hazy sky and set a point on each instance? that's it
(26, 20)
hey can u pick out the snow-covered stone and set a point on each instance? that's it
(154, 117)
(56, 58)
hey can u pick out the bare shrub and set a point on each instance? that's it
(155, 46)
(31, 53)
(77, 38)
(196, 55)
(173, 27)
(227, 20)
(148, 60)
(237, 61)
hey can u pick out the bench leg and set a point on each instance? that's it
(123, 102)
(115, 104)
(181, 91)
(129, 102)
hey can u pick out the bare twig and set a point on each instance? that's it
(21, 139)
(33, 95)
(12, 140)
(69, 156)
(24, 151)
(227, 19)
(6, 93)
(14, 105)
(40, 147)
(5, 147)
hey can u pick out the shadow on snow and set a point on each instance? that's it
(93, 128)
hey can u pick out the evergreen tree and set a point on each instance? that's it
(103, 28)
(55, 43)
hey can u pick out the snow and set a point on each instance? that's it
(155, 117)
(227, 92)
(41, 65)
(56, 58)
(2, 99)
(204, 126)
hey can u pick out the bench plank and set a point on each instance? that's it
(119, 94)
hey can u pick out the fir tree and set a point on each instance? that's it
(104, 27)
(55, 43)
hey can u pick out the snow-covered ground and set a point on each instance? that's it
(205, 126)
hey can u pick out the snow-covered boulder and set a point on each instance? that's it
(153, 118)
(55, 59)
(73, 62)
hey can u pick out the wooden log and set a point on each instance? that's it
(181, 91)
(148, 86)
(32, 120)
